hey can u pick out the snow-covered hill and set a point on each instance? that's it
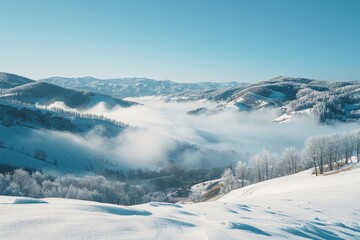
(217, 94)
(54, 141)
(59, 154)
(326, 100)
(135, 87)
(299, 206)
(8, 80)
(44, 94)
(28, 116)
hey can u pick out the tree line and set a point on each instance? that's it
(93, 188)
(322, 152)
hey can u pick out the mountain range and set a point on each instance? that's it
(135, 87)
(24, 111)
(327, 100)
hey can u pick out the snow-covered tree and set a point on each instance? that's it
(290, 161)
(229, 182)
(348, 146)
(262, 166)
(356, 137)
(242, 173)
(315, 149)
(25, 184)
(257, 167)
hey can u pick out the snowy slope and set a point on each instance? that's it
(14, 113)
(65, 153)
(68, 141)
(327, 100)
(300, 206)
(45, 94)
(8, 80)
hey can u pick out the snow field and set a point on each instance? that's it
(299, 206)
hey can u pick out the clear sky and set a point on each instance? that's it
(183, 40)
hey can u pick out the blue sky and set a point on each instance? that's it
(184, 40)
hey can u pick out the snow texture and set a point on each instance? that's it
(300, 206)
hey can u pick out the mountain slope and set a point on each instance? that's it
(299, 206)
(45, 94)
(17, 114)
(8, 80)
(217, 94)
(51, 152)
(327, 100)
(51, 141)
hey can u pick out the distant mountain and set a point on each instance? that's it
(328, 100)
(45, 94)
(8, 80)
(135, 87)
(217, 94)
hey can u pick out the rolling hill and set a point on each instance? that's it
(8, 80)
(46, 94)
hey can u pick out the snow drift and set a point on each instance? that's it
(299, 206)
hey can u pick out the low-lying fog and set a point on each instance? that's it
(166, 121)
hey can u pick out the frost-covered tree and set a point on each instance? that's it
(72, 192)
(257, 167)
(262, 166)
(242, 173)
(4, 183)
(229, 182)
(319, 110)
(25, 184)
(290, 161)
(94, 188)
(315, 150)
(330, 150)
(348, 146)
(356, 137)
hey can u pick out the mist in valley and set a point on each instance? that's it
(158, 125)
